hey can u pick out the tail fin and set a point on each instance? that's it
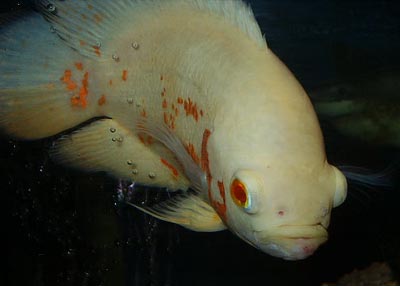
(43, 83)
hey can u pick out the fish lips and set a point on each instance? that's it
(291, 242)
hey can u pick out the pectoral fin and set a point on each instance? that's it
(105, 145)
(187, 210)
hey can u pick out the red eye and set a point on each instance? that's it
(239, 193)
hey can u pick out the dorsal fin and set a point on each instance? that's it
(85, 25)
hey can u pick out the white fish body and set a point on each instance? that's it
(188, 95)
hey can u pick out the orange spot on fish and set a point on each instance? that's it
(150, 140)
(191, 109)
(143, 113)
(171, 167)
(97, 50)
(220, 208)
(165, 118)
(161, 77)
(79, 66)
(102, 100)
(164, 104)
(81, 98)
(180, 100)
(124, 75)
(201, 112)
(67, 79)
(110, 82)
(163, 92)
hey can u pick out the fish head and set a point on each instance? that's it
(286, 218)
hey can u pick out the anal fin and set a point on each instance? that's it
(105, 145)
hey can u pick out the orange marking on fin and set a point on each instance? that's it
(143, 113)
(124, 75)
(201, 113)
(102, 100)
(192, 152)
(150, 140)
(180, 100)
(171, 167)
(97, 50)
(164, 104)
(79, 66)
(110, 82)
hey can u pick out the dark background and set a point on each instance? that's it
(62, 227)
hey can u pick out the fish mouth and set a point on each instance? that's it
(291, 242)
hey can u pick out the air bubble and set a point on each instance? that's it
(152, 175)
(115, 57)
(135, 171)
(51, 8)
(130, 100)
(135, 45)
(129, 162)
(112, 130)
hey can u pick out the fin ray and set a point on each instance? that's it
(105, 145)
(187, 210)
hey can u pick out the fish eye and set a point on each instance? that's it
(239, 193)
(244, 194)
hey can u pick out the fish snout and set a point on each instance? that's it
(291, 242)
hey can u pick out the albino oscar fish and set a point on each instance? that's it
(179, 94)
